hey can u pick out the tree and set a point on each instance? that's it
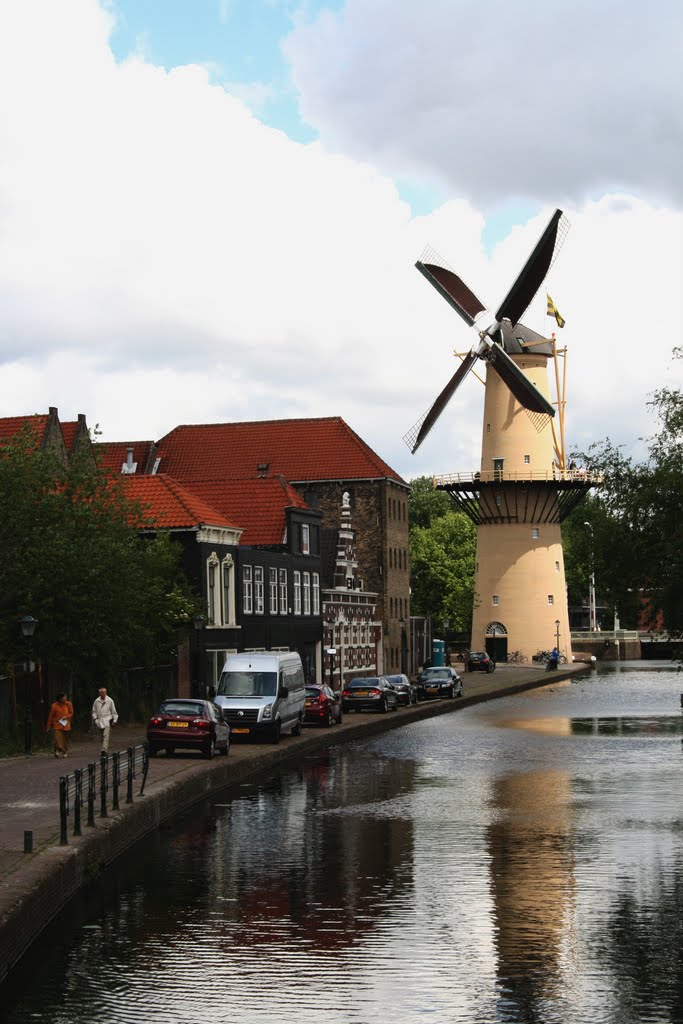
(637, 523)
(71, 555)
(442, 550)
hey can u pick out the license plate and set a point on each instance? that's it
(433, 689)
(309, 703)
(177, 725)
(241, 731)
(360, 693)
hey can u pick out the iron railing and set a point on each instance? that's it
(91, 785)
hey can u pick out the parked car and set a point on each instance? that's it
(406, 691)
(322, 706)
(480, 661)
(190, 724)
(368, 694)
(439, 681)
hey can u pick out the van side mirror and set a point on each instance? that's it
(283, 692)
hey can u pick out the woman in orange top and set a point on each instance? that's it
(59, 720)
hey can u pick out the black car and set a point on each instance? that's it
(368, 694)
(405, 690)
(480, 661)
(439, 681)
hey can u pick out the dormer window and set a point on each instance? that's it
(262, 469)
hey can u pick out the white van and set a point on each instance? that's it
(262, 693)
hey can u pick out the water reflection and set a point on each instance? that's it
(459, 868)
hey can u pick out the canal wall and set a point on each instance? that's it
(34, 894)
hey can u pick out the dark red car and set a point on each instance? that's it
(190, 725)
(322, 706)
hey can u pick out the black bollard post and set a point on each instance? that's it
(91, 795)
(63, 809)
(145, 765)
(131, 763)
(104, 765)
(78, 800)
(28, 841)
(115, 781)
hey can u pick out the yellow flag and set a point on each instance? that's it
(552, 311)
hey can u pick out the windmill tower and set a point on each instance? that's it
(523, 488)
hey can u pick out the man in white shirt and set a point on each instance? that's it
(104, 715)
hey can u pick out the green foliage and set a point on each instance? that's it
(71, 556)
(637, 524)
(442, 550)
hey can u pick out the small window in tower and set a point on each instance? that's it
(551, 599)
(534, 533)
(557, 566)
(498, 500)
(527, 460)
(488, 428)
(496, 599)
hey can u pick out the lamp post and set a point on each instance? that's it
(404, 647)
(557, 635)
(592, 610)
(331, 652)
(28, 626)
(199, 622)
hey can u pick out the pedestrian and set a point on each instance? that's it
(59, 720)
(104, 715)
(553, 659)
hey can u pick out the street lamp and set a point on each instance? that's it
(592, 611)
(557, 635)
(28, 626)
(404, 646)
(331, 651)
(199, 622)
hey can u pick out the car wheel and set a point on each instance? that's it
(170, 750)
(296, 729)
(339, 717)
(328, 721)
(275, 733)
(209, 749)
(384, 707)
(226, 749)
(396, 704)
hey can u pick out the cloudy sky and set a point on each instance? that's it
(210, 210)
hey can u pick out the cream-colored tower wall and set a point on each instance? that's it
(522, 575)
(510, 432)
(519, 579)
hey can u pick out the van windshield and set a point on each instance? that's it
(247, 684)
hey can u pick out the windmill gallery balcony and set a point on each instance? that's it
(494, 496)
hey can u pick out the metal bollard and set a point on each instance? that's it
(78, 800)
(115, 778)
(145, 766)
(131, 774)
(63, 809)
(28, 841)
(104, 759)
(91, 795)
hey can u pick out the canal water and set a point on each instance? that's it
(518, 861)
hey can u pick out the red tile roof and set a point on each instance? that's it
(171, 505)
(113, 454)
(299, 450)
(11, 426)
(259, 504)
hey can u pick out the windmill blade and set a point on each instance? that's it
(414, 439)
(532, 275)
(453, 289)
(518, 383)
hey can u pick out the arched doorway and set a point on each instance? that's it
(496, 639)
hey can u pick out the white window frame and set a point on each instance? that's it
(495, 600)
(307, 592)
(296, 581)
(315, 581)
(305, 539)
(213, 616)
(272, 590)
(551, 599)
(258, 590)
(228, 590)
(282, 587)
(535, 534)
(247, 590)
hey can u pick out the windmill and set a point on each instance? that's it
(522, 490)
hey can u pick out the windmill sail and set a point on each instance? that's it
(534, 271)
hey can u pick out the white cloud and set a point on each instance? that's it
(547, 101)
(167, 258)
